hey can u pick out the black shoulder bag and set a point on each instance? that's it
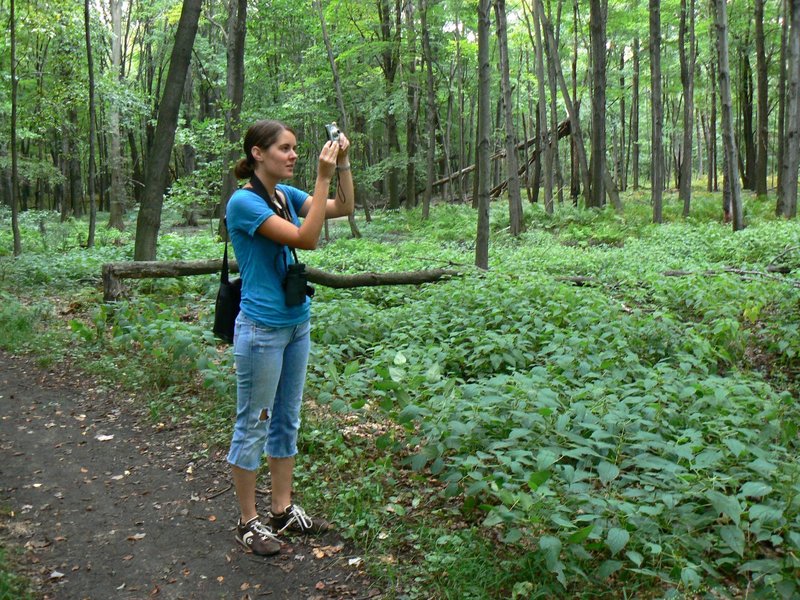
(229, 296)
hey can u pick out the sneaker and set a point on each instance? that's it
(257, 538)
(295, 520)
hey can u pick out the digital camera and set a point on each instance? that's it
(333, 132)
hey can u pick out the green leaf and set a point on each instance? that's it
(418, 462)
(616, 539)
(400, 359)
(755, 489)
(608, 568)
(538, 478)
(608, 472)
(733, 537)
(690, 578)
(551, 548)
(580, 536)
(635, 557)
(726, 505)
(545, 459)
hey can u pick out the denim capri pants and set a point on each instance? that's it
(270, 372)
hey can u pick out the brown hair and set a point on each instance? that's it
(262, 134)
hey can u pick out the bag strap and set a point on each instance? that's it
(224, 275)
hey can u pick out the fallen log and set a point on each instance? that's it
(114, 273)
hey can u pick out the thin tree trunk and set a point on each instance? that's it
(729, 141)
(687, 80)
(343, 122)
(597, 25)
(14, 158)
(635, 116)
(762, 145)
(90, 68)
(571, 108)
(787, 193)
(657, 116)
(149, 220)
(427, 53)
(413, 100)
(543, 143)
(782, 101)
(621, 166)
(234, 88)
(117, 192)
(512, 163)
(484, 129)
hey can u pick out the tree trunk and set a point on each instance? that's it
(571, 108)
(234, 92)
(14, 158)
(687, 81)
(748, 160)
(512, 163)
(762, 145)
(149, 220)
(635, 116)
(74, 165)
(430, 110)
(484, 131)
(343, 122)
(621, 166)
(90, 68)
(787, 194)
(713, 163)
(545, 147)
(389, 64)
(117, 192)
(597, 26)
(575, 169)
(413, 101)
(782, 101)
(657, 116)
(729, 141)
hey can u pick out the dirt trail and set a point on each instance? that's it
(106, 506)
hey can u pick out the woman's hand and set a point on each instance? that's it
(327, 160)
(344, 147)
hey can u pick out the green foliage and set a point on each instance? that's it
(12, 585)
(513, 434)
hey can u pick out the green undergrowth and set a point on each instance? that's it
(611, 409)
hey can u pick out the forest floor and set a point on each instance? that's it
(97, 502)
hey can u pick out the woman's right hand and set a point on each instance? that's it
(327, 160)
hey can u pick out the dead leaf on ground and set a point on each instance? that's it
(136, 537)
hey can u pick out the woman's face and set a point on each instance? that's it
(279, 159)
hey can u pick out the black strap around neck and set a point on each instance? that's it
(282, 211)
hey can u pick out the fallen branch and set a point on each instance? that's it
(744, 274)
(114, 273)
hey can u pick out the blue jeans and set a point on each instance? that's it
(270, 372)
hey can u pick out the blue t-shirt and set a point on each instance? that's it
(262, 262)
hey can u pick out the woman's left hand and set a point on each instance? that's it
(344, 147)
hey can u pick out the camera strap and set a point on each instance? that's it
(277, 207)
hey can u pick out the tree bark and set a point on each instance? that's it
(762, 145)
(413, 101)
(729, 141)
(635, 116)
(687, 60)
(782, 101)
(657, 116)
(14, 157)
(787, 193)
(90, 68)
(512, 163)
(597, 26)
(149, 220)
(234, 88)
(117, 192)
(343, 122)
(571, 108)
(430, 111)
(544, 145)
(114, 273)
(484, 129)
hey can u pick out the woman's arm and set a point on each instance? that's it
(344, 202)
(306, 236)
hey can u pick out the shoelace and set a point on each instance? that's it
(263, 531)
(297, 514)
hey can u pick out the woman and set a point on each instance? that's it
(271, 343)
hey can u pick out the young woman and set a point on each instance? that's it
(271, 342)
